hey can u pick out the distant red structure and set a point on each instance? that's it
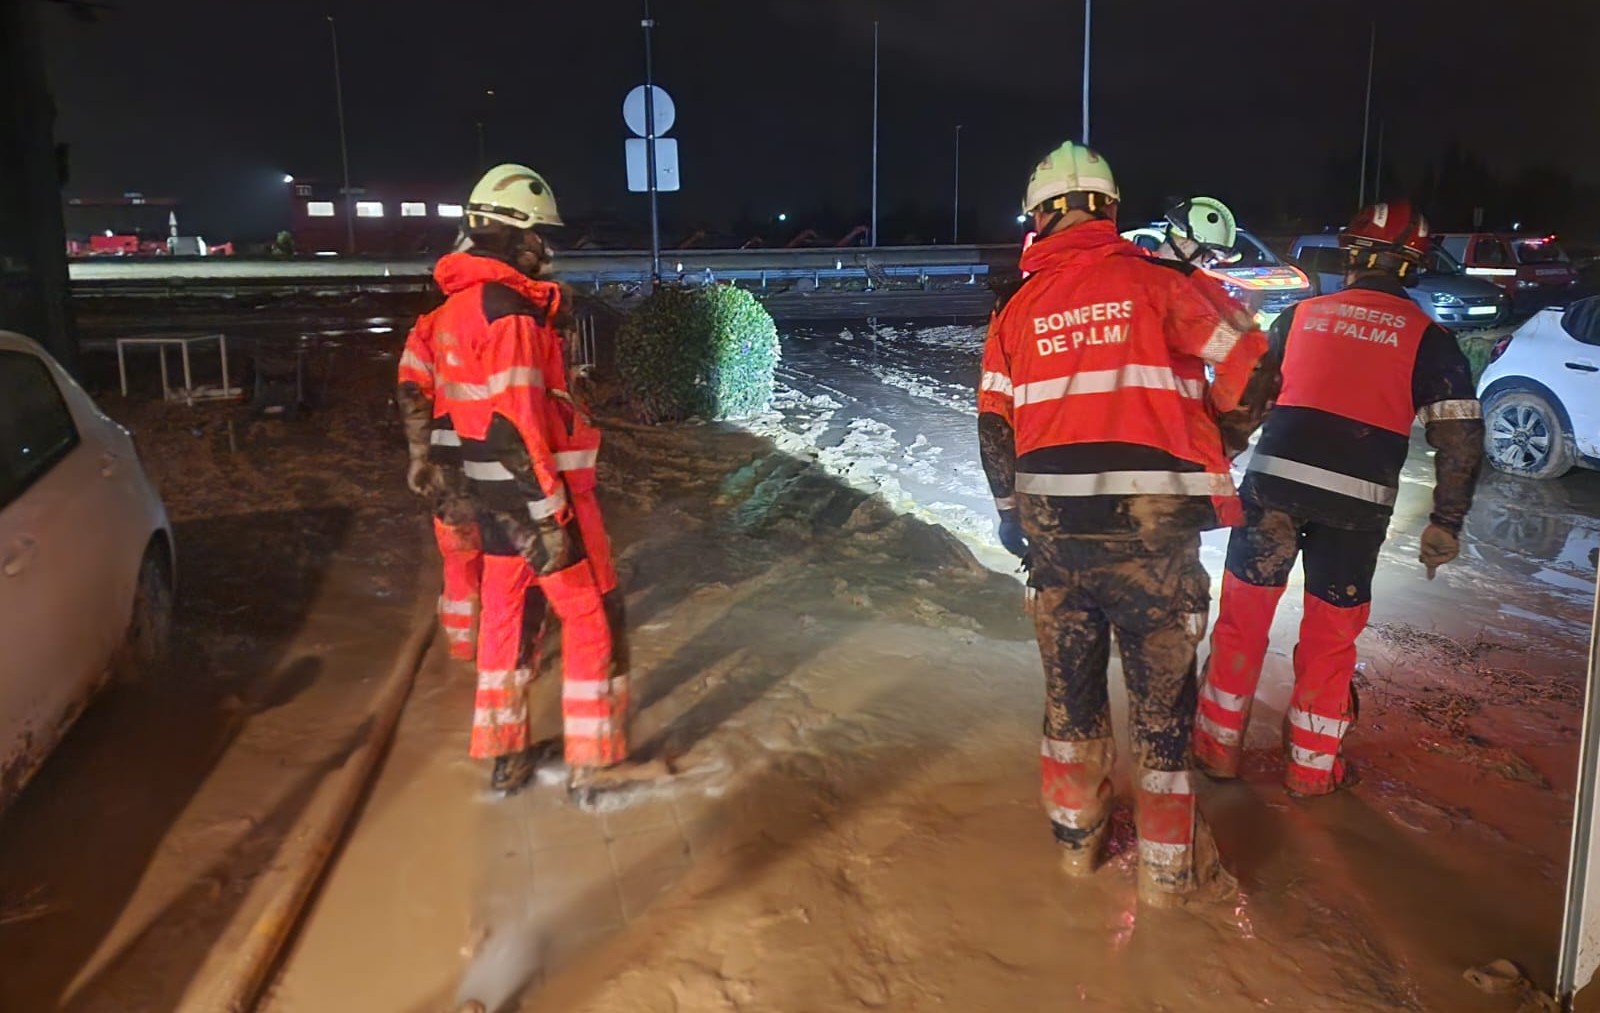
(390, 220)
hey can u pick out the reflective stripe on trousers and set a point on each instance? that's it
(1075, 784)
(505, 657)
(461, 553)
(1320, 709)
(1164, 815)
(594, 713)
(1232, 672)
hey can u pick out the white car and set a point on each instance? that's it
(1541, 394)
(86, 557)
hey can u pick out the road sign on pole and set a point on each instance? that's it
(633, 111)
(639, 167)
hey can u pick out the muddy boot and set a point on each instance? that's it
(1083, 859)
(587, 783)
(1345, 776)
(512, 772)
(1207, 881)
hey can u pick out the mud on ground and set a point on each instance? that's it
(299, 553)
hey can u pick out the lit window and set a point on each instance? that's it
(319, 208)
(369, 209)
(413, 209)
(449, 210)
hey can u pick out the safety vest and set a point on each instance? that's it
(1099, 364)
(1334, 444)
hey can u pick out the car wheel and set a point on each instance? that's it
(1523, 436)
(148, 640)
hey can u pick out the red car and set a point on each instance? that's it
(1535, 270)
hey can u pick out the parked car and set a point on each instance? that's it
(86, 557)
(1253, 274)
(1443, 289)
(1534, 270)
(1541, 394)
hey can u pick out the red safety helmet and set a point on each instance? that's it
(1393, 228)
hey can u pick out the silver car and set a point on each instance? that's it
(1444, 290)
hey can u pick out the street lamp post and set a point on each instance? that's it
(1086, 4)
(1366, 117)
(344, 147)
(955, 217)
(873, 237)
(650, 148)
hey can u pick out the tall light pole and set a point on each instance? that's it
(650, 148)
(1086, 4)
(488, 109)
(872, 239)
(1366, 117)
(344, 147)
(955, 218)
(1377, 167)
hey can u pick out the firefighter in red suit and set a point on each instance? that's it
(435, 474)
(500, 376)
(1359, 367)
(1099, 435)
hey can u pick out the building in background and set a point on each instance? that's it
(390, 220)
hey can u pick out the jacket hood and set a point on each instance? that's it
(456, 272)
(1091, 240)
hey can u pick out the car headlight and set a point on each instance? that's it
(1527, 283)
(1445, 299)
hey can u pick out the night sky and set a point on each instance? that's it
(213, 101)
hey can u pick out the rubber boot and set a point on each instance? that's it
(1075, 784)
(1178, 859)
(512, 772)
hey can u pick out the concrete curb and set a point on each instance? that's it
(245, 952)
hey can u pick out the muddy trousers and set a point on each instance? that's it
(461, 550)
(1155, 600)
(1339, 565)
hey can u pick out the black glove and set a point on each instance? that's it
(1011, 535)
(1439, 546)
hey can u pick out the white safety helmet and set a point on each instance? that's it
(1071, 169)
(1206, 221)
(513, 195)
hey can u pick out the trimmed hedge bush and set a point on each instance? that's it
(697, 352)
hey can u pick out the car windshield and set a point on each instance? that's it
(1540, 251)
(1441, 263)
(1251, 252)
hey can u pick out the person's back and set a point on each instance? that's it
(1096, 432)
(1359, 366)
(1102, 351)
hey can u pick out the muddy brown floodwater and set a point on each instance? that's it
(851, 706)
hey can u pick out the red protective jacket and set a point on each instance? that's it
(1097, 365)
(496, 358)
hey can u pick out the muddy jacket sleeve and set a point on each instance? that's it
(997, 444)
(517, 354)
(1260, 391)
(415, 392)
(1447, 405)
(1203, 321)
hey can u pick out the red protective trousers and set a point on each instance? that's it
(1339, 565)
(594, 705)
(461, 550)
